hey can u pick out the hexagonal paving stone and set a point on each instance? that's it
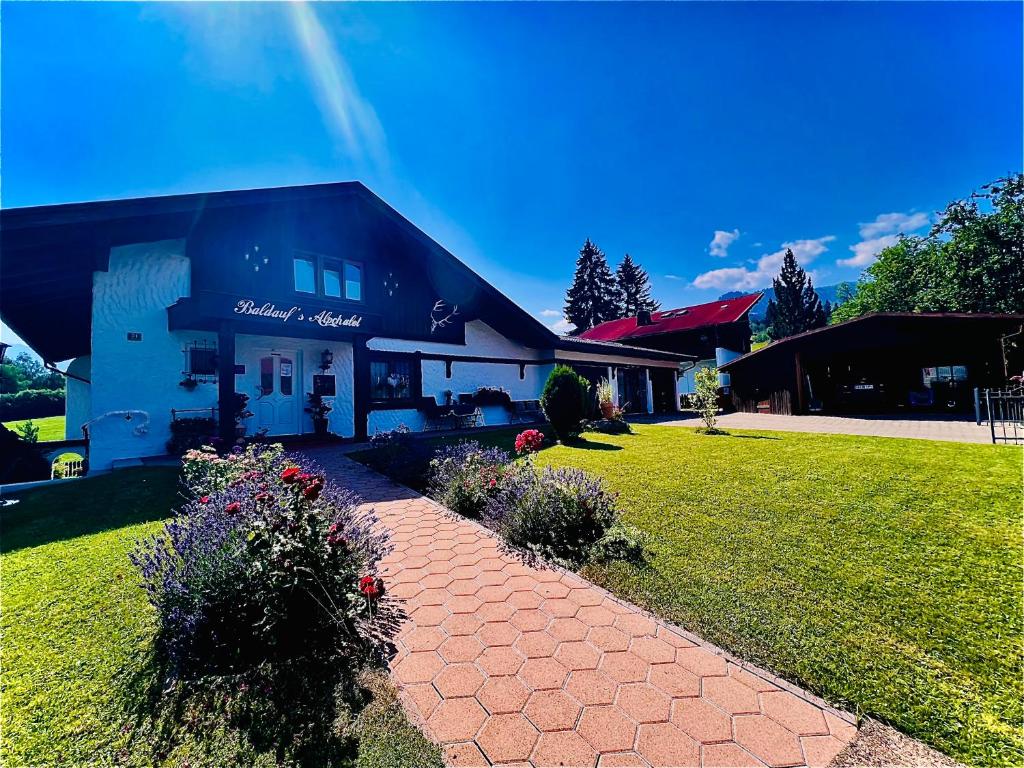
(495, 612)
(463, 604)
(429, 615)
(456, 720)
(622, 760)
(702, 720)
(751, 680)
(460, 648)
(530, 620)
(521, 583)
(503, 695)
(839, 727)
(665, 746)
(493, 594)
(465, 572)
(434, 596)
(793, 713)
(536, 645)
(464, 754)
(768, 741)
(462, 624)
(423, 697)
(727, 756)
(552, 590)
(457, 680)
(623, 667)
(701, 661)
(494, 579)
(436, 580)
(568, 629)
(650, 649)
(499, 661)
(591, 687)
(424, 639)
(552, 710)
(497, 633)
(564, 748)
(730, 694)
(819, 751)
(675, 680)
(525, 599)
(578, 655)
(559, 607)
(418, 667)
(607, 729)
(585, 596)
(635, 624)
(595, 615)
(464, 587)
(608, 638)
(507, 738)
(643, 702)
(543, 673)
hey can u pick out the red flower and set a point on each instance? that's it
(312, 491)
(371, 587)
(233, 508)
(305, 477)
(529, 441)
(263, 496)
(290, 475)
(204, 500)
(493, 482)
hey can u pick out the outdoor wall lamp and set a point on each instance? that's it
(326, 359)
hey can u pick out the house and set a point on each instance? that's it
(881, 362)
(165, 307)
(713, 333)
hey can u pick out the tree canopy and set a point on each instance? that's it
(593, 297)
(634, 286)
(972, 260)
(796, 306)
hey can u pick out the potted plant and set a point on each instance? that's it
(604, 399)
(318, 408)
(242, 413)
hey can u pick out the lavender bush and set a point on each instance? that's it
(265, 582)
(465, 476)
(562, 515)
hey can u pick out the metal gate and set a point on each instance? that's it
(1004, 411)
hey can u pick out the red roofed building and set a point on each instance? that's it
(714, 333)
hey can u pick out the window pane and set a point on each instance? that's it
(305, 276)
(202, 361)
(266, 376)
(332, 283)
(390, 379)
(286, 376)
(353, 282)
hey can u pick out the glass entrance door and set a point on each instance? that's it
(276, 405)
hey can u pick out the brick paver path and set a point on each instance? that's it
(937, 428)
(506, 664)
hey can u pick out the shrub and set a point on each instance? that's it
(705, 399)
(529, 441)
(397, 454)
(191, 433)
(492, 396)
(260, 588)
(29, 431)
(557, 514)
(31, 403)
(465, 476)
(564, 401)
(20, 462)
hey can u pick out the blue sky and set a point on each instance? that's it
(699, 137)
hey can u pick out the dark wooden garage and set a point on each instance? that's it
(881, 363)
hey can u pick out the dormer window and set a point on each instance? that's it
(330, 278)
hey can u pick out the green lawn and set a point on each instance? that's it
(76, 627)
(885, 575)
(50, 427)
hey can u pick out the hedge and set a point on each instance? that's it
(31, 404)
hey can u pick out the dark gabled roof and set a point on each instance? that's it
(719, 312)
(868, 331)
(579, 344)
(48, 254)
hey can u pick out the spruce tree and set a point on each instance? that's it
(593, 296)
(796, 307)
(634, 286)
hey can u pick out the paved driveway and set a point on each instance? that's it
(923, 428)
(506, 664)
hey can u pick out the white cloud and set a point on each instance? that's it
(892, 223)
(882, 233)
(721, 241)
(766, 267)
(674, 277)
(550, 313)
(561, 326)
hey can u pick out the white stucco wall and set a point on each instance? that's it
(688, 382)
(139, 379)
(77, 398)
(341, 420)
